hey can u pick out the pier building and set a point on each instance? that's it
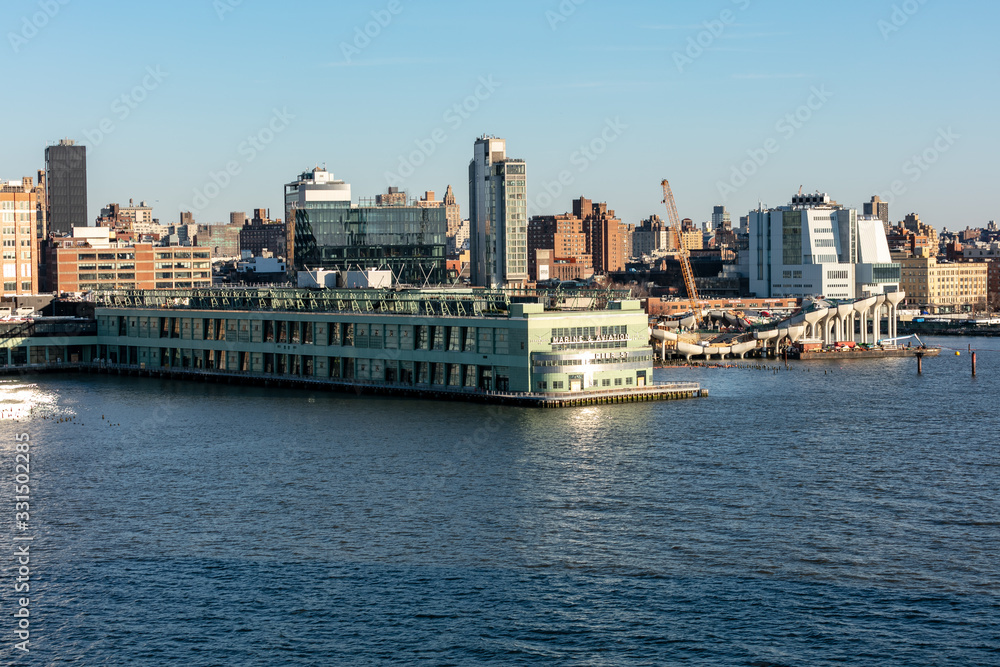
(467, 340)
(523, 347)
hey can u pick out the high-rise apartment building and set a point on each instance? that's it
(564, 238)
(879, 209)
(19, 212)
(651, 235)
(721, 218)
(813, 247)
(66, 186)
(498, 216)
(606, 242)
(692, 238)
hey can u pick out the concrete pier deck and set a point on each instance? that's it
(655, 392)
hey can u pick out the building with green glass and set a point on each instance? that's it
(461, 340)
(325, 231)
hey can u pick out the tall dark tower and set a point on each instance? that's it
(66, 186)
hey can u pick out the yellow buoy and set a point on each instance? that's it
(957, 353)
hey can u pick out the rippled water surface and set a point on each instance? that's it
(833, 513)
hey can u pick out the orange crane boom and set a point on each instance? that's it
(682, 252)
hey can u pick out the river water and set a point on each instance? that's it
(830, 513)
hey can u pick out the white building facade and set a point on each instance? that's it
(816, 247)
(498, 216)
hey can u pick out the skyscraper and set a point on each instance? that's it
(66, 186)
(721, 219)
(498, 216)
(879, 209)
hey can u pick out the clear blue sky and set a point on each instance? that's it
(882, 93)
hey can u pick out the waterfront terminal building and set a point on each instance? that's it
(460, 340)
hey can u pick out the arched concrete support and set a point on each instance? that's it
(877, 326)
(812, 319)
(687, 350)
(843, 311)
(894, 299)
(862, 308)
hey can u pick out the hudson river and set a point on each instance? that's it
(835, 513)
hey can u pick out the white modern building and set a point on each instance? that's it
(816, 247)
(498, 216)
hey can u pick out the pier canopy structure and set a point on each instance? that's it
(429, 302)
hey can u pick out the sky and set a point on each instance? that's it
(212, 106)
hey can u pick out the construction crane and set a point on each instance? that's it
(682, 252)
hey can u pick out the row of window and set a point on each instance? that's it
(13, 230)
(480, 340)
(616, 358)
(347, 368)
(604, 382)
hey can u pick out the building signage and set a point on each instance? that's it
(572, 340)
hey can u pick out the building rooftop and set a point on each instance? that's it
(459, 302)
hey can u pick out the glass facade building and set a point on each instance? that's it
(327, 232)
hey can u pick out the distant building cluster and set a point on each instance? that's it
(812, 246)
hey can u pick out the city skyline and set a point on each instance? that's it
(734, 104)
